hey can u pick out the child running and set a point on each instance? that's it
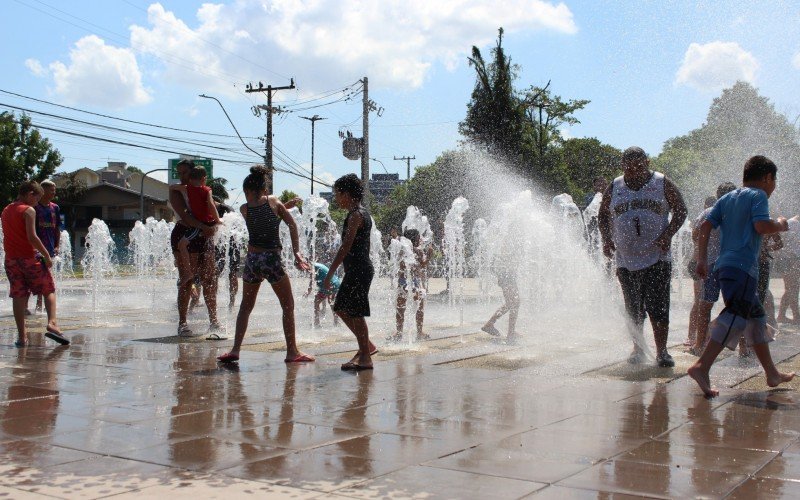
(263, 215)
(323, 294)
(743, 218)
(505, 268)
(352, 301)
(28, 262)
(202, 207)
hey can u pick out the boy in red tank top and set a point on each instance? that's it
(28, 262)
(202, 206)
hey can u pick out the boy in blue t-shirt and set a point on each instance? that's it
(742, 217)
(320, 273)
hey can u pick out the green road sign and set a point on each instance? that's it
(200, 162)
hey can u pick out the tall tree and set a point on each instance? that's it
(546, 113)
(494, 114)
(585, 159)
(740, 123)
(24, 154)
(70, 192)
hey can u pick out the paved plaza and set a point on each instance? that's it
(130, 410)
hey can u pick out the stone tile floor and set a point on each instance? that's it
(111, 415)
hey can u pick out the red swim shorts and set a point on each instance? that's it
(28, 277)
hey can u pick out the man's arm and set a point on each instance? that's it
(679, 212)
(771, 226)
(604, 221)
(33, 239)
(178, 203)
(702, 248)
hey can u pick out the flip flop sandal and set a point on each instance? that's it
(303, 358)
(350, 366)
(216, 336)
(373, 352)
(56, 336)
(228, 358)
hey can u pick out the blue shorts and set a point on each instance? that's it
(711, 289)
(740, 293)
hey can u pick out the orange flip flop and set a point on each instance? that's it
(302, 358)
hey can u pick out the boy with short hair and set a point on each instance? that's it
(323, 295)
(48, 224)
(743, 218)
(28, 271)
(201, 205)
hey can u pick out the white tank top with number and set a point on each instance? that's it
(639, 218)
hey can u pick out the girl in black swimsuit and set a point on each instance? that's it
(352, 300)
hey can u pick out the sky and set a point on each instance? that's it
(650, 70)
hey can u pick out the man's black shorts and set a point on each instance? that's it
(647, 291)
(196, 245)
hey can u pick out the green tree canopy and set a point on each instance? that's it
(218, 188)
(24, 154)
(740, 123)
(586, 159)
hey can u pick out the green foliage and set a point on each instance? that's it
(70, 191)
(218, 188)
(586, 159)
(137, 170)
(24, 154)
(287, 195)
(495, 117)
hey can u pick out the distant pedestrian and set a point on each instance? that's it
(48, 224)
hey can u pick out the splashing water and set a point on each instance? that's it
(480, 256)
(62, 264)
(97, 261)
(454, 251)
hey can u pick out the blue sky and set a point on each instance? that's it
(650, 69)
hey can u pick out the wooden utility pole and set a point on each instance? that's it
(407, 159)
(365, 145)
(269, 89)
(313, 120)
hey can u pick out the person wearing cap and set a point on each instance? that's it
(637, 231)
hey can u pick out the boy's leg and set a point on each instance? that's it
(50, 307)
(420, 314)
(400, 313)
(701, 369)
(656, 292)
(20, 306)
(631, 285)
(774, 377)
(38, 304)
(317, 302)
(703, 319)
(512, 299)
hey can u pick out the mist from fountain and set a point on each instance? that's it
(97, 261)
(62, 263)
(454, 245)
(479, 261)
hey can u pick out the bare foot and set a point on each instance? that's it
(782, 378)
(53, 327)
(701, 377)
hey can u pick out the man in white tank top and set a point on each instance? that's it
(637, 231)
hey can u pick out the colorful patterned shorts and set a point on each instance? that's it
(28, 277)
(259, 266)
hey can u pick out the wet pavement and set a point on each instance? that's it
(128, 410)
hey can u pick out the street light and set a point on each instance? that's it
(382, 165)
(141, 190)
(313, 120)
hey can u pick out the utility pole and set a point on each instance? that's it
(365, 145)
(313, 120)
(407, 159)
(269, 89)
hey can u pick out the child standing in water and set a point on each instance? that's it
(352, 301)
(743, 218)
(417, 288)
(323, 294)
(263, 215)
(505, 268)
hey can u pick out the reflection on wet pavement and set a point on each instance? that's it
(459, 416)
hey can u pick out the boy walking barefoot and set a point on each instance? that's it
(28, 271)
(352, 301)
(743, 218)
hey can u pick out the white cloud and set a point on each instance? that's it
(100, 75)
(796, 60)
(35, 67)
(394, 42)
(716, 65)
